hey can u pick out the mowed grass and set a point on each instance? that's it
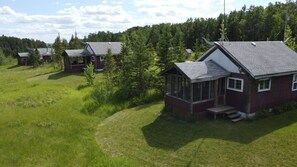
(151, 138)
(41, 123)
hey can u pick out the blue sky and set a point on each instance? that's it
(44, 19)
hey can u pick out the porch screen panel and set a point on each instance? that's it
(180, 87)
(187, 90)
(168, 84)
(173, 89)
(196, 92)
(205, 90)
(211, 89)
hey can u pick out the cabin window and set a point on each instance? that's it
(264, 85)
(93, 58)
(294, 84)
(235, 84)
(101, 58)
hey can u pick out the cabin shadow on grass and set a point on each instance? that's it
(62, 74)
(167, 132)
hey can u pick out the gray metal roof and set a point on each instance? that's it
(42, 52)
(263, 58)
(45, 51)
(202, 71)
(189, 50)
(100, 48)
(23, 54)
(74, 53)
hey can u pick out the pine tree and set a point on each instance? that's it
(135, 73)
(34, 58)
(165, 59)
(109, 69)
(74, 42)
(290, 41)
(57, 55)
(2, 58)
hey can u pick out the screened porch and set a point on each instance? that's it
(181, 87)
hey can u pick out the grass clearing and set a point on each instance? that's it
(41, 123)
(151, 138)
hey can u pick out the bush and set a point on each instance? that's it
(277, 110)
(89, 74)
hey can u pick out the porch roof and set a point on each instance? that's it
(74, 53)
(201, 71)
(24, 54)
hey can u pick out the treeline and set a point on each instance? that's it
(255, 23)
(12, 45)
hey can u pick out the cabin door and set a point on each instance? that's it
(221, 91)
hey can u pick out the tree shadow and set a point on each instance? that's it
(13, 67)
(167, 132)
(62, 74)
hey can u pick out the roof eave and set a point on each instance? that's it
(274, 75)
(209, 78)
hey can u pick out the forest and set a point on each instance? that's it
(254, 23)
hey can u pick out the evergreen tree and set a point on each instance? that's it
(2, 58)
(57, 55)
(136, 75)
(109, 69)
(290, 41)
(74, 42)
(89, 74)
(165, 59)
(34, 58)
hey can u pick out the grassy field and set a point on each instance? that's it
(151, 138)
(41, 123)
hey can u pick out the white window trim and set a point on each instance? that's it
(264, 90)
(293, 82)
(101, 58)
(237, 90)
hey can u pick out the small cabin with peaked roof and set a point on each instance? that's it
(45, 56)
(94, 52)
(248, 76)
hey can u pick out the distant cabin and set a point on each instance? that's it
(45, 56)
(94, 52)
(244, 76)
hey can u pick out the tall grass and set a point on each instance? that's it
(104, 102)
(41, 123)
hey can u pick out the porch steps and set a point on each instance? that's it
(231, 112)
(234, 116)
(237, 119)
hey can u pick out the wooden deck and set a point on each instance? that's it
(219, 110)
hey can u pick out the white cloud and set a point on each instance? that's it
(113, 15)
(84, 19)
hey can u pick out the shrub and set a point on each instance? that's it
(277, 110)
(89, 74)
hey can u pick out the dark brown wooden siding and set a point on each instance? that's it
(238, 99)
(280, 93)
(177, 106)
(99, 63)
(199, 109)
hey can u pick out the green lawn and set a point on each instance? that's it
(41, 123)
(150, 138)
